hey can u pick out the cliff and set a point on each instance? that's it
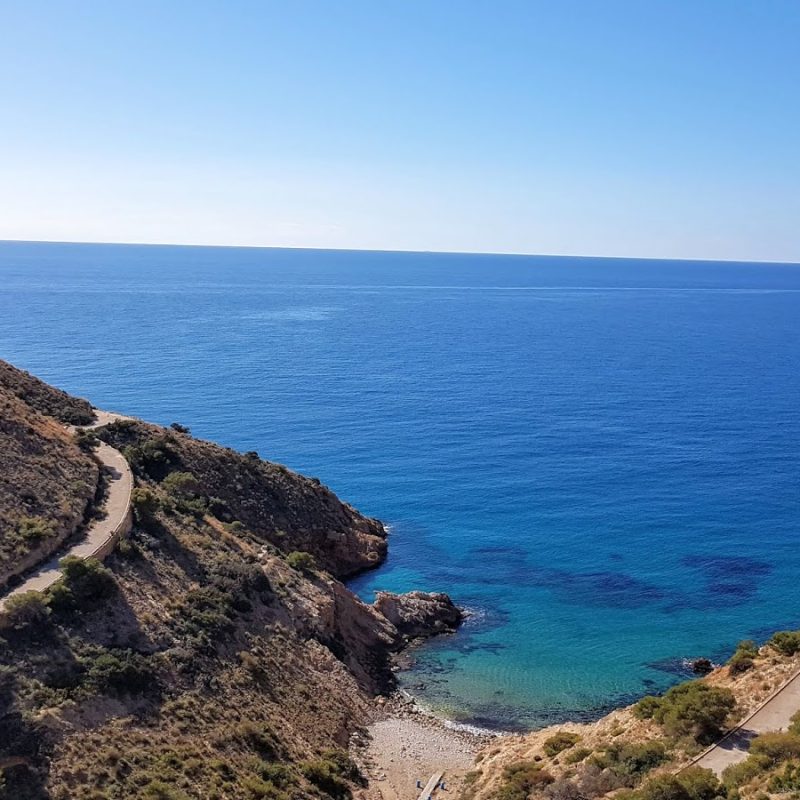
(215, 653)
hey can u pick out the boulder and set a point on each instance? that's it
(419, 614)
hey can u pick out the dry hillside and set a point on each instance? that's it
(214, 654)
(46, 481)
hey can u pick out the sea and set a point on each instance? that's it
(598, 458)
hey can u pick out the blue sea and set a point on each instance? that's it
(599, 458)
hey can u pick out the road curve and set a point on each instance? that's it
(774, 714)
(102, 534)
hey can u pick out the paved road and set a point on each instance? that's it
(774, 715)
(101, 534)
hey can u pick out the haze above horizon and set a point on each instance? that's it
(615, 129)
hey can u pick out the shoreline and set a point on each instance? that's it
(404, 743)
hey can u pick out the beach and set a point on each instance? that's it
(405, 744)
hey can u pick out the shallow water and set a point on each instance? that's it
(599, 457)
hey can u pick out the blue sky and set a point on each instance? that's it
(629, 128)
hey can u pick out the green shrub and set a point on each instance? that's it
(259, 738)
(794, 725)
(86, 440)
(145, 505)
(663, 787)
(701, 784)
(647, 707)
(85, 581)
(748, 647)
(786, 781)
(186, 493)
(740, 662)
(120, 672)
(522, 780)
(577, 755)
(35, 529)
(559, 742)
(27, 610)
(301, 561)
(159, 790)
(776, 747)
(742, 773)
(178, 428)
(325, 775)
(631, 760)
(277, 774)
(693, 708)
(786, 642)
(259, 789)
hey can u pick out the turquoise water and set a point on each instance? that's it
(600, 458)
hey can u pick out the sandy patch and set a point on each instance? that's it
(405, 745)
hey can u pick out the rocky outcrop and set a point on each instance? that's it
(419, 614)
(277, 505)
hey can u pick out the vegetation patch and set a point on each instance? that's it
(693, 708)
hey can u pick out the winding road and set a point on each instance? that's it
(102, 534)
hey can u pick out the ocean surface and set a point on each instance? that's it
(599, 458)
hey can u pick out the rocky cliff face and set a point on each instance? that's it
(216, 653)
(418, 615)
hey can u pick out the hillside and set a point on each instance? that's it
(214, 654)
(46, 481)
(647, 751)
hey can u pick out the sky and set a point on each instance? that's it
(639, 128)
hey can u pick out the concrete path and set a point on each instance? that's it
(102, 534)
(773, 715)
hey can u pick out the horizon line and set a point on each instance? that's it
(510, 254)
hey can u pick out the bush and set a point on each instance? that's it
(178, 428)
(120, 672)
(301, 561)
(577, 755)
(185, 490)
(260, 789)
(794, 726)
(559, 742)
(35, 529)
(739, 774)
(748, 647)
(27, 610)
(630, 760)
(85, 580)
(786, 781)
(776, 747)
(663, 787)
(701, 784)
(158, 790)
(693, 708)
(693, 783)
(86, 440)
(786, 642)
(145, 504)
(740, 662)
(521, 780)
(325, 775)
(647, 707)
(259, 738)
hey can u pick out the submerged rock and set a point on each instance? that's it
(419, 614)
